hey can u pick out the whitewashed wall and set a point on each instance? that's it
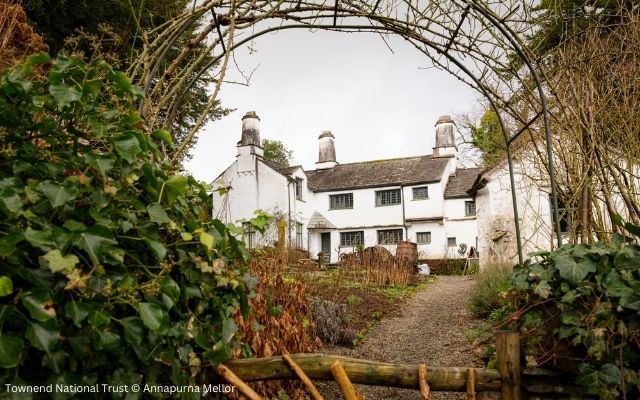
(496, 225)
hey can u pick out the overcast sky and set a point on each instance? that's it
(377, 104)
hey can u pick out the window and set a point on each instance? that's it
(451, 241)
(421, 193)
(351, 238)
(423, 237)
(298, 188)
(565, 217)
(389, 236)
(249, 235)
(388, 197)
(469, 208)
(340, 201)
(299, 235)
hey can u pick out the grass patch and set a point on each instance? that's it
(484, 297)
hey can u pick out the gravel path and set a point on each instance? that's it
(428, 329)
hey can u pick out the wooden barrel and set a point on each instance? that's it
(407, 253)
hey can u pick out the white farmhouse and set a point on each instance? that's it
(337, 207)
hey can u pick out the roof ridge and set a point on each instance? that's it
(371, 161)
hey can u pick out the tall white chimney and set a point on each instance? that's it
(445, 138)
(249, 146)
(326, 151)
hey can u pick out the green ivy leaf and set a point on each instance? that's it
(10, 201)
(164, 136)
(93, 239)
(133, 329)
(158, 248)
(570, 269)
(74, 226)
(64, 95)
(102, 164)
(9, 242)
(157, 214)
(153, 316)
(127, 146)
(58, 194)
(592, 376)
(229, 328)
(175, 187)
(77, 312)
(59, 263)
(43, 336)
(41, 239)
(39, 305)
(121, 80)
(170, 291)
(6, 286)
(207, 240)
(33, 60)
(10, 351)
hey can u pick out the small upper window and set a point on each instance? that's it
(299, 188)
(451, 241)
(423, 237)
(421, 193)
(469, 208)
(340, 201)
(388, 197)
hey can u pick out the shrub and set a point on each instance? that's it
(332, 321)
(580, 305)
(484, 297)
(450, 266)
(109, 273)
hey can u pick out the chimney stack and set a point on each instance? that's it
(326, 151)
(445, 137)
(250, 130)
(249, 146)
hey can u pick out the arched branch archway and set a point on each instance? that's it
(466, 38)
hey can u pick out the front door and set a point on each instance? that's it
(325, 239)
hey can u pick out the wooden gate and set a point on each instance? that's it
(478, 383)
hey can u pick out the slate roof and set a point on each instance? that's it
(280, 168)
(462, 181)
(393, 172)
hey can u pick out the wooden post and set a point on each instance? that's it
(303, 377)
(508, 357)
(343, 381)
(233, 379)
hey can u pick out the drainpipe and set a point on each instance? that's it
(404, 220)
(289, 181)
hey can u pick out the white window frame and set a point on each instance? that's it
(385, 234)
(417, 189)
(350, 238)
(390, 197)
(467, 208)
(427, 236)
(336, 204)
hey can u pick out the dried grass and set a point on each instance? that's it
(281, 310)
(376, 266)
(17, 37)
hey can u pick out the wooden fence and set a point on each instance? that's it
(483, 382)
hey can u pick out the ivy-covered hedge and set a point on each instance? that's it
(109, 272)
(579, 308)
